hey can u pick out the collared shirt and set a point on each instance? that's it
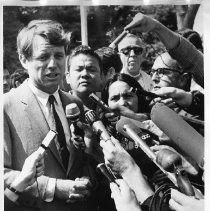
(42, 98)
(143, 78)
(45, 106)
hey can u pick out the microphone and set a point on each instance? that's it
(97, 125)
(100, 103)
(47, 140)
(181, 133)
(128, 129)
(73, 115)
(172, 162)
(106, 172)
(118, 39)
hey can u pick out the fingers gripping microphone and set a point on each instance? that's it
(172, 162)
(97, 125)
(118, 39)
(73, 115)
(129, 129)
(181, 133)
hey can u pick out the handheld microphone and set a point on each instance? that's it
(172, 162)
(181, 133)
(100, 103)
(106, 172)
(97, 125)
(118, 39)
(127, 128)
(73, 115)
(47, 140)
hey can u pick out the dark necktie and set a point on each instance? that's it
(61, 136)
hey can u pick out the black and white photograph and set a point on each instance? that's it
(103, 105)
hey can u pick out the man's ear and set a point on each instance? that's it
(23, 61)
(185, 79)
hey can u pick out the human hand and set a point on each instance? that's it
(73, 190)
(141, 23)
(179, 96)
(181, 202)
(116, 157)
(84, 142)
(188, 167)
(124, 197)
(33, 167)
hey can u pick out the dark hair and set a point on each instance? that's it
(143, 105)
(19, 75)
(110, 58)
(50, 30)
(192, 36)
(86, 50)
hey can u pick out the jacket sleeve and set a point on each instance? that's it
(190, 59)
(32, 195)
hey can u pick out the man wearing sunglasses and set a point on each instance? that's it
(131, 50)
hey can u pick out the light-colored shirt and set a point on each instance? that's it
(42, 98)
(143, 79)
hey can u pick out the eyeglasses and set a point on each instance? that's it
(136, 50)
(163, 71)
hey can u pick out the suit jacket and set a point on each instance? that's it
(25, 127)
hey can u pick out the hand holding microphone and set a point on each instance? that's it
(172, 162)
(181, 133)
(77, 134)
(118, 39)
(33, 167)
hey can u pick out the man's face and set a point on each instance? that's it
(84, 74)
(165, 77)
(46, 65)
(132, 58)
(6, 81)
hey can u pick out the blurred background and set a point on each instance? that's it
(103, 25)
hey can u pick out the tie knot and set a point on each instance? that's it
(51, 99)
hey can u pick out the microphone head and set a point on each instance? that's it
(91, 117)
(180, 132)
(126, 121)
(72, 111)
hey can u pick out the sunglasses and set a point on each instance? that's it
(136, 50)
(163, 71)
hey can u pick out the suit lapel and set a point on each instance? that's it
(37, 120)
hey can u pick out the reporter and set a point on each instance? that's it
(120, 93)
(124, 197)
(181, 202)
(179, 48)
(119, 160)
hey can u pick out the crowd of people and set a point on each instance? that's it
(64, 175)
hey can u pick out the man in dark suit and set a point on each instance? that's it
(28, 117)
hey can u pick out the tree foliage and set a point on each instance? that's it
(105, 23)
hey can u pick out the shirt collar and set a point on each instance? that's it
(135, 76)
(43, 96)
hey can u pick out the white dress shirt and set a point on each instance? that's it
(42, 98)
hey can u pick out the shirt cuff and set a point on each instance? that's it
(50, 190)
